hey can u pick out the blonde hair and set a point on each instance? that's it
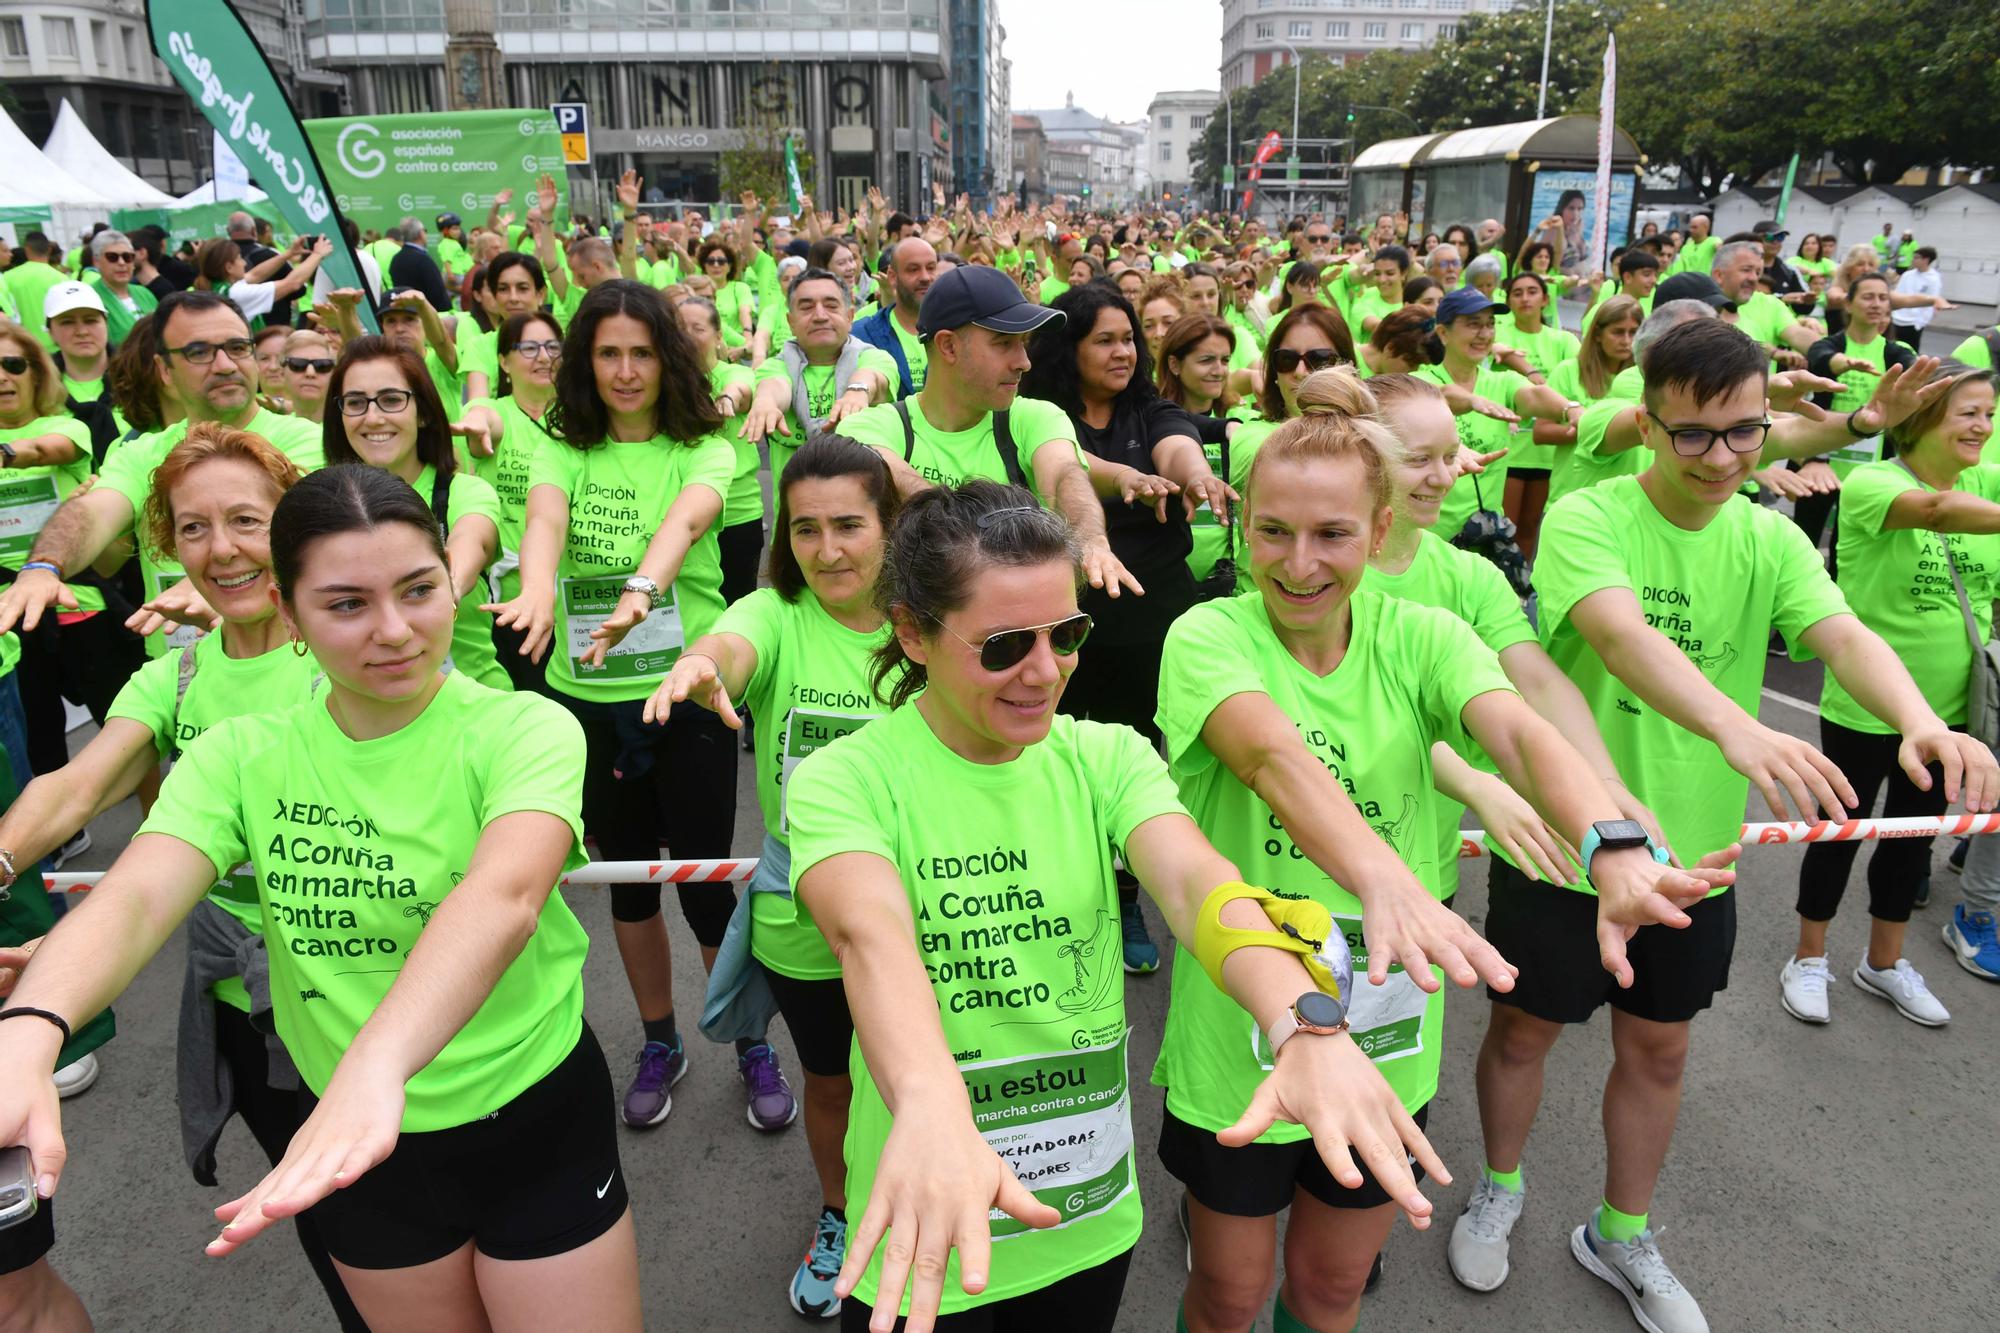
(50, 394)
(1338, 418)
(1594, 370)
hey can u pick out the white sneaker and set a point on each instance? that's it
(1802, 988)
(1478, 1251)
(1658, 1300)
(75, 1078)
(1903, 986)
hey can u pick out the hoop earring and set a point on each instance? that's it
(299, 648)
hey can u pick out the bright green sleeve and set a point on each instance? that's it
(1447, 658)
(836, 802)
(758, 619)
(148, 698)
(874, 358)
(1580, 554)
(1127, 778)
(1487, 603)
(1208, 658)
(128, 470)
(538, 767)
(1034, 423)
(201, 801)
(473, 495)
(713, 465)
(877, 425)
(1866, 494)
(557, 467)
(1974, 352)
(1805, 594)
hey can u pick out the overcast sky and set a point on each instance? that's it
(1114, 56)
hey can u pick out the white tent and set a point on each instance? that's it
(205, 194)
(23, 167)
(76, 150)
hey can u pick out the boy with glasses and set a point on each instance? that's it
(1658, 593)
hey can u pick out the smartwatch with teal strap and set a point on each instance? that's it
(1617, 835)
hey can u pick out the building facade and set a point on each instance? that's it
(1027, 149)
(1256, 33)
(1090, 157)
(980, 89)
(1174, 123)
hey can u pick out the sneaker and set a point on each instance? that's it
(1141, 954)
(1923, 898)
(651, 1096)
(1802, 989)
(1374, 1276)
(1956, 861)
(1659, 1302)
(1478, 1250)
(1903, 986)
(72, 849)
(1971, 936)
(771, 1105)
(1187, 1231)
(812, 1286)
(74, 1079)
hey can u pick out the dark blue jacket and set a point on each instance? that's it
(877, 331)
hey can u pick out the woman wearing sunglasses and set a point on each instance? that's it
(529, 347)
(305, 367)
(735, 302)
(113, 264)
(385, 411)
(977, 929)
(1286, 713)
(1309, 338)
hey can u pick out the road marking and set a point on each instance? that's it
(1790, 701)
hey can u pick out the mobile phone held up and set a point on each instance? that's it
(17, 1187)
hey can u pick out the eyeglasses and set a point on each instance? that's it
(299, 365)
(1694, 441)
(1005, 650)
(536, 351)
(200, 354)
(389, 400)
(713, 260)
(14, 365)
(117, 257)
(1285, 360)
(1319, 237)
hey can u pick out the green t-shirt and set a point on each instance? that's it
(1764, 317)
(29, 496)
(1009, 876)
(915, 354)
(521, 437)
(1546, 349)
(89, 391)
(1856, 388)
(453, 262)
(1369, 303)
(121, 314)
(745, 502)
(1052, 287)
(1585, 464)
(1899, 582)
(1974, 352)
(1405, 680)
(1695, 257)
(128, 470)
(618, 495)
(1716, 594)
(30, 283)
(947, 458)
(730, 302)
(472, 629)
(812, 683)
(478, 353)
(820, 394)
(1481, 434)
(223, 687)
(355, 843)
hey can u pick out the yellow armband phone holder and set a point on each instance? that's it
(1304, 927)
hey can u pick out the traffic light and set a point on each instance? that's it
(1086, 189)
(1350, 116)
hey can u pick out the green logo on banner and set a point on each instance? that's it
(383, 169)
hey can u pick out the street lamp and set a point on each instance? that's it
(1298, 76)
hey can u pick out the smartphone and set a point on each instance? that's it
(18, 1200)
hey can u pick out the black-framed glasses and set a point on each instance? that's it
(713, 260)
(536, 351)
(1322, 239)
(117, 257)
(1694, 441)
(318, 365)
(200, 354)
(1005, 650)
(1286, 360)
(389, 400)
(14, 365)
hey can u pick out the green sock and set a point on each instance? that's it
(1506, 1180)
(1623, 1228)
(1284, 1321)
(1180, 1319)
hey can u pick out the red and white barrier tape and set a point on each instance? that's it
(1471, 843)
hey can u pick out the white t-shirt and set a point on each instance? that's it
(1926, 283)
(371, 274)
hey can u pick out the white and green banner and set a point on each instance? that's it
(383, 169)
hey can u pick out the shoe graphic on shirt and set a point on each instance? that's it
(1097, 958)
(1716, 662)
(1393, 833)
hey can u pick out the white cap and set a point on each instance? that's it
(67, 296)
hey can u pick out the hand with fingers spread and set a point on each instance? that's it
(30, 596)
(628, 192)
(935, 1185)
(1135, 487)
(1634, 891)
(632, 608)
(1968, 766)
(1782, 482)
(1212, 491)
(1818, 478)
(1401, 922)
(1327, 1085)
(1900, 392)
(178, 605)
(1105, 570)
(1542, 854)
(695, 676)
(1791, 390)
(533, 616)
(764, 419)
(478, 441)
(1785, 768)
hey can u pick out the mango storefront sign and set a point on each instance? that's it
(383, 169)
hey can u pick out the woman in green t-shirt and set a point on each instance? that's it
(1539, 257)
(620, 569)
(387, 414)
(510, 284)
(741, 535)
(307, 361)
(1313, 695)
(798, 653)
(957, 855)
(735, 302)
(211, 509)
(515, 419)
(1524, 328)
(1856, 355)
(406, 834)
(1606, 353)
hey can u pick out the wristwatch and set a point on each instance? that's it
(1616, 835)
(1316, 1012)
(7, 455)
(641, 584)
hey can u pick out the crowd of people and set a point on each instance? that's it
(1105, 557)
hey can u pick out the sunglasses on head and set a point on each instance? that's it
(14, 365)
(1005, 650)
(299, 365)
(1285, 360)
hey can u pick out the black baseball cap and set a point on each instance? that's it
(1691, 287)
(389, 299)
(977, 294)
(1770, 229)
(450, 220)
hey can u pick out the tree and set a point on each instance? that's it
(758, 163)
(1491, 73)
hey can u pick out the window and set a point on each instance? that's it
(14, 38)
(1166, 120)
(1166, 152)
(1299, 28)
(1196, 124)
(1266, 31)
(59, 35)
(1375, 32)
(129, 39)
(1413, 32)
(100, 45)
(1447, 31)
(1337, 31)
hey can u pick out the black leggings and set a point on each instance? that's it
(679, 788)
(742, 548)
(1869, 761)
(1085, 1302)
(1118, 682)
(272, 1116)
(527, 674)
(88, 661)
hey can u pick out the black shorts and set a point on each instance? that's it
(540, 1176)
(1551, 935)
(1259, 1179)
(1529, 473)
(815, 1013)
(25, 1242)
(1085, 1302)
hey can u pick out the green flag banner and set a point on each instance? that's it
(383, 169)
(198, 222)
(1785, 196)
(16, 222)
(794, 189)
(219, 64)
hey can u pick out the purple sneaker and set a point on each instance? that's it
(651, 1096)
(771, 1104)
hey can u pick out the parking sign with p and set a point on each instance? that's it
(573, 123)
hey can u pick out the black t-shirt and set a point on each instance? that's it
(1155, 552)
(176, 275)
(412, 266)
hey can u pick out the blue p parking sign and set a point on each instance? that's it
(573, 123)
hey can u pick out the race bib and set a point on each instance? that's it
(806, 731)
(1386, 1021)
(646, 652)
(25, 505)
(185, 634)
(1861, 451)
(1063, 1122)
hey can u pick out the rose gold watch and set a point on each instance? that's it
(1315, 1012)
